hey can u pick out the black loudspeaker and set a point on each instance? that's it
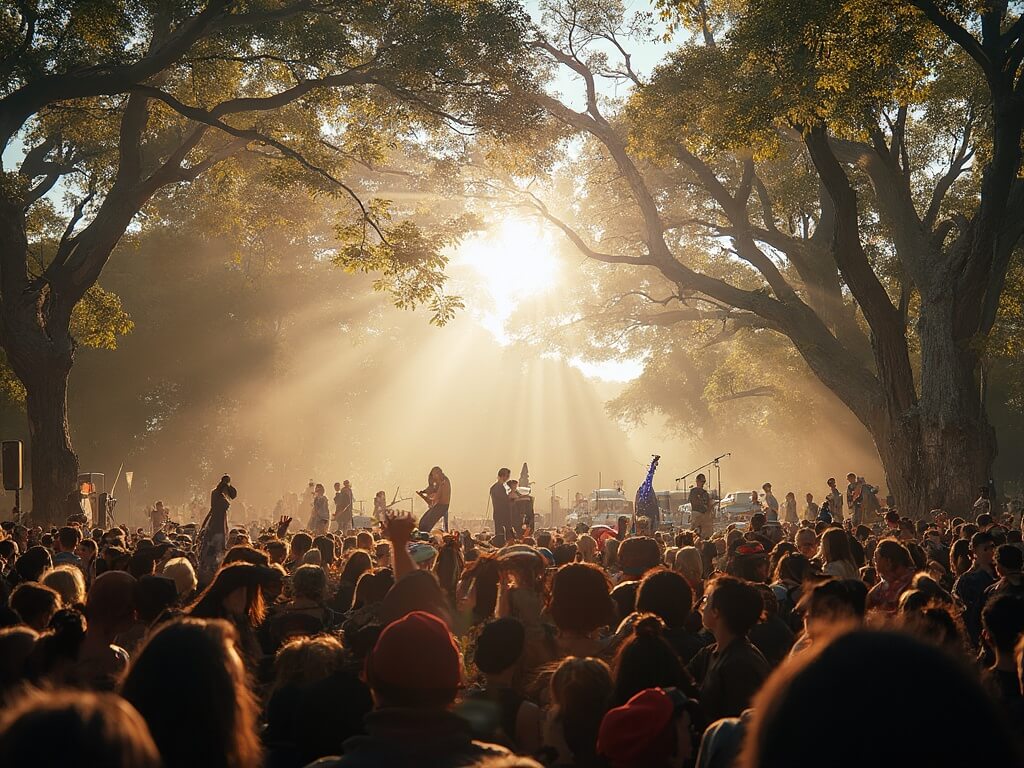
(11, 465)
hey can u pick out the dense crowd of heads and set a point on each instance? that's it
(890, 642)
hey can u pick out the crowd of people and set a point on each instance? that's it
(776, 642)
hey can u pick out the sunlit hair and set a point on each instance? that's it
(434, 478)
(586, 546)
(310, 582)
(189, 684)
(69, 583)
(75, 728)
(210, 604)
(933, 622)
(738, 603)
(793, 568)
(328, 549)
(666, 594)
(358, 563)
(835, 604)
(689, 563)
(306, 660)
(960, 556)
(243, 553)
(894, 551)
(35, 604)
(181, 571)
(835, 546)
(372, 586)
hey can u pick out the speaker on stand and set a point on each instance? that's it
(12, 454)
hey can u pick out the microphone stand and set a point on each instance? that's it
(715, 462)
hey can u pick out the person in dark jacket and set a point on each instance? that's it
(414, 672)
(502, 505)
(969, 589)
(732, 670)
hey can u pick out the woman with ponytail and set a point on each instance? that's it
(647, 660)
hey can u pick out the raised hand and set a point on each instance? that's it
(397, 526)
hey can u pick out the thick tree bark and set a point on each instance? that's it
(35, 333)
(54, 465)
(934, 465)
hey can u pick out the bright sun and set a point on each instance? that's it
(515, 249)
(514, 258)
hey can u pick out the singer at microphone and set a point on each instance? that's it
(700, 509)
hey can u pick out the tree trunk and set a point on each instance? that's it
(54, 464)
(938, 454)
(932, 466)
(35, 333)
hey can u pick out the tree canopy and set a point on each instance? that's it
(118, 104)
(839, 174)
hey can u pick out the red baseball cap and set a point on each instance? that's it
(639, 732)
(416, 651)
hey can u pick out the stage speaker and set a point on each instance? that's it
(11, 464)
(95, 482)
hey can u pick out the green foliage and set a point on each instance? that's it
(99, 319)
(708, 17)
(409, 263)
(786, 62)
(12, 391)
(674, 108)
(837, 61)
(68, 35)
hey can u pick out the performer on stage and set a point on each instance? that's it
(320, 514)
(501, 505)
(214, 530)
(438, 494)
(700, 509)
(343, 506)
(515, 514)
(158, 516)
(380, 506)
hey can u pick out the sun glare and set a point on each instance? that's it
(514, 258)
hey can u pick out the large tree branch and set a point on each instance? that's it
(888, 332)
(957, 165)
(34, 162)
(21, 104)
(895, 204)
(735, 209)
(1009, 238)
(578, 240)
(209, 118)
(831, 362)
(580, 69)
(763, 391)
(957, 34)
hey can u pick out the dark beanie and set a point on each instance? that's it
(499, 645)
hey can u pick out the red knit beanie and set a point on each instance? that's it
(640, 732)
(416, 652)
